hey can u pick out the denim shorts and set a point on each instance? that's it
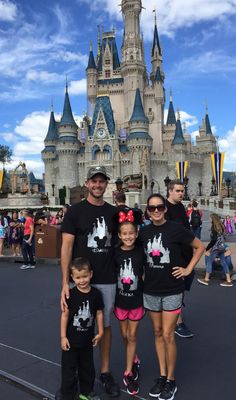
(171, 303)
(108, 295)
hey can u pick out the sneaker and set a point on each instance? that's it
(109, 384)
(226, 284)
(135, 369)
(24, 266)
(31, 266)
(155, 391)
(168, 391)
(203, 282)
(90, 396)
(132, 386)
(182, 331)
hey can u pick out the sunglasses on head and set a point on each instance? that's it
(158, 207)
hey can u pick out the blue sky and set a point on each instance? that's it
(43, 42)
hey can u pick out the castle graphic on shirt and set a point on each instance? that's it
(127, 281)
(156, 253)
(100, 237)
(83, 319)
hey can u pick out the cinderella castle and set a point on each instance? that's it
(124, 129)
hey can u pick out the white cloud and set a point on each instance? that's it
(188, 119)
(44, 76)
(228, 145)
(8, 11)
(78, 87)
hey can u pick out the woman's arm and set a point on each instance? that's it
(198, 246)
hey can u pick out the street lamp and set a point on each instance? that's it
(200, 188)
(185, 181)
(152, 186)
(53, 189)
(166, 182)
(228, 182)
(119, 185)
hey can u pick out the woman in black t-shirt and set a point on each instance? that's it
(164, 286)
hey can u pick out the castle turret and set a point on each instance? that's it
(133, 68)
(49, 154)
(169, 127)
(156, 58)
(139, 142)
(68, 146)
(179, 137)
(91, 73)
(206, 141)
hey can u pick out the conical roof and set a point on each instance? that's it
(52, 134)
(138, 112)
(179, 137)
(67, 116)
(156, 41)
(171, 119)
(91, 61)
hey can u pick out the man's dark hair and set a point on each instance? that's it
(173, 183)
(194, 203)
(81, 263)
(120, 198)
(157, 195)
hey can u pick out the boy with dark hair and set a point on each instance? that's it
(85, 305)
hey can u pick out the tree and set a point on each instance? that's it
(5, 154)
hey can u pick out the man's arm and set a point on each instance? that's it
(66, 255)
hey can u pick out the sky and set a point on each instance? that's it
(42, 43)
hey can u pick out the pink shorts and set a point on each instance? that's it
(133, 315)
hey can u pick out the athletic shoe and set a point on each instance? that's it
(169, 390)
(155, 391)
(226, 284)
(90, 396)
(203, 282)
(182, 331)
(109, 384)
(24, 266)
(135, 368)
(132, 386)
(31, 266)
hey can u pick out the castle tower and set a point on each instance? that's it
(49, 154)
(179, 145)
(169, 127)
(68, 147)
(133, 68)
(91, 73)
(139, 142)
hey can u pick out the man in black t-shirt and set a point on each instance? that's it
(87, 232)
(176, 212)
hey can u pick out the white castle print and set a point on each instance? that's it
(83, 319)
(100, 231)
(155, 248)
(127, 276)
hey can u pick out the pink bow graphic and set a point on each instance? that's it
(126, 280)
(156, 252)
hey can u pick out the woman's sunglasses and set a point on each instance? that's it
(158, 207)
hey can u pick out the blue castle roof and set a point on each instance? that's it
(113, 48)
(156, 41)
(67, 116)
(171, 119)
(52, 134)
(91, 61)
(179, 137)
(158, 76)
(138, 112)
(103, 103)
(208, 125)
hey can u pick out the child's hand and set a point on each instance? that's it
(96, 339)
(65, 344)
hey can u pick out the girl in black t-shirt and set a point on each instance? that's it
(164, 286)
(129, 262)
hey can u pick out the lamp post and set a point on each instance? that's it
(228, 182)
(185, 181)
(152, 186)
(119, 185)
(200, 188)
(166, 182)
(53, 189)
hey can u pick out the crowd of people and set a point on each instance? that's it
(117, 260)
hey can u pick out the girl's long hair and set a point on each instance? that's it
(217, 225)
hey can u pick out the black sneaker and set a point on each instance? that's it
(132, 386)
(109, 384)
(182, 331)
(155, 391)
(169, 390)
(135, 370)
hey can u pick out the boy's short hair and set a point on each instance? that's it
(80, 263)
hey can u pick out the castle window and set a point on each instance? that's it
(150, 110)
(107, 74)
(107, 61)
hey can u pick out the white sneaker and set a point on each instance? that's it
(24, 266)
(31, 266)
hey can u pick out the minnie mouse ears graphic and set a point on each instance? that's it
(130, 215)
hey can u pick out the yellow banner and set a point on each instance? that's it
(1, 178)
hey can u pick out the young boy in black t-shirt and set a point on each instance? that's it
(85, 305)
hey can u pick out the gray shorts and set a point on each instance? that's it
(108, 295)
(163, 303)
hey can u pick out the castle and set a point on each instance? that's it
(125, 129)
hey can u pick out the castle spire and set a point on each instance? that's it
(52, 128)
(156, 43)
(67, 116)
(138, 111)
(207, 123)
(179, 137)
(91, 61)
(171, 119)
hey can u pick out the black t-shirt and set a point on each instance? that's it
(129, 268)
(82, 314)
(177, 213)
(163, 248)
(92, 227)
